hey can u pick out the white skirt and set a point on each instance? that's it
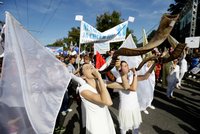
(129, 119)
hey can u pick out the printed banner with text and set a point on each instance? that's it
(89, 34)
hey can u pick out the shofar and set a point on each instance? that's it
(157, 59)
(175, 54)
(166, 25)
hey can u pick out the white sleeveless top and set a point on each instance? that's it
(129, 110)
(98, 118)
(128, 99)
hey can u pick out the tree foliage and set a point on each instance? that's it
(57, 43)
(109, 20)
(73, 35)
(177, 7)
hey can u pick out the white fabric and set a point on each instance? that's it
(98, 118)
(129, 110)
(2, 55)
(183, 66)
(33, 83)
(175, 70)
(1, 50)
(183, 69)
(145, 90)
(102, 48)
(1, 41)
(133, 61)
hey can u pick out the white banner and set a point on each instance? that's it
(192, 42)
(89, 34)
(102, 48)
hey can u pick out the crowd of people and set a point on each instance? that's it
(95, 90)
(92, 89)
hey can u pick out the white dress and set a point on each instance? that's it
(98, 118)
(129, 110)
(183, 69)
(145, 89)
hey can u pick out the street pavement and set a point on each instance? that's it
(171, 116)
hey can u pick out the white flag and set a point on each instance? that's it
(102, 48)
(33, 83)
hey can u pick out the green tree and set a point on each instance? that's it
(109, 20)
(177, 7)
(73, 36)
(150, 36)
(57, 43)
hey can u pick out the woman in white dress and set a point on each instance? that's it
(183, 67)
(145, 90)
(129, 109)
(95, 99)
(172, 78)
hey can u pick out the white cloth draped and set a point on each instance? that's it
(33, 83)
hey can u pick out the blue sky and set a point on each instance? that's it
(49, 20)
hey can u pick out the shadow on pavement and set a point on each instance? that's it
(187, 113)
(71, 124)
(160, 131)
(115, 121)
(187, 129)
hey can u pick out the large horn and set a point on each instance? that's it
(175, 54)
(152, 58)
(172, 41)
(166, 25)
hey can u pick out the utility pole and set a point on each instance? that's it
(193, 18)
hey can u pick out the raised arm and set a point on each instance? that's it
(103, 96)
(133, 85)
(143, 77)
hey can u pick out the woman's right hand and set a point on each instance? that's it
(96, 73)
(133, 70)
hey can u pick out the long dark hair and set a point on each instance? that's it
(81, 69)
(123, 61)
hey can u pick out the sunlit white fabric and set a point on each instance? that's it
(33, 83)
(145, 90)
(133, 61)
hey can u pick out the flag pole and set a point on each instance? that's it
(79, 18)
